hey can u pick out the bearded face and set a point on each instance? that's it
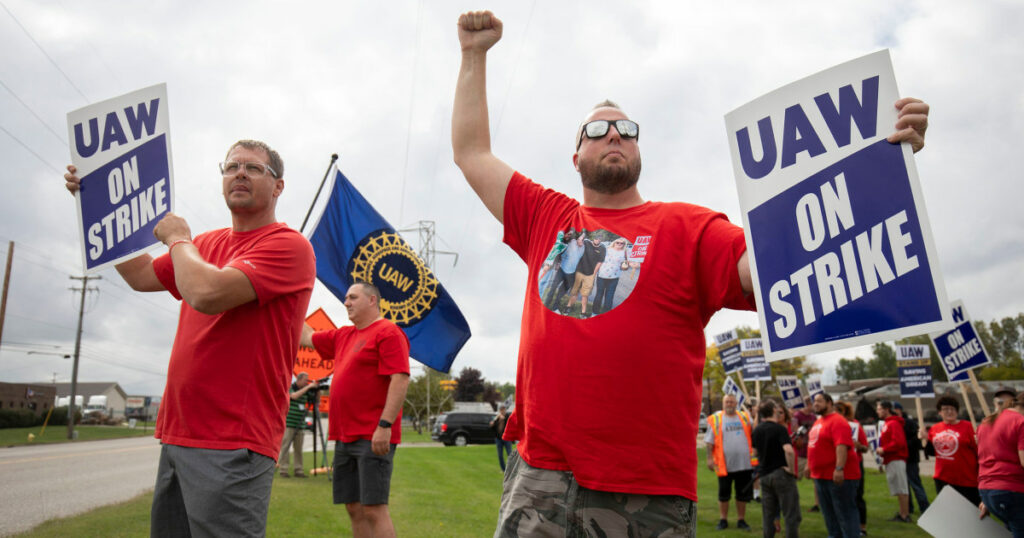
(609, 178)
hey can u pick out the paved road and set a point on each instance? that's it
(42, 482)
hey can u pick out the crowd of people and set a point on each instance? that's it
(245, 291)
(757, 452)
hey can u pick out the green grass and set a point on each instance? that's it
(59, 434)
(450, 491)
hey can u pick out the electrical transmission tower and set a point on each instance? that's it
(428, 253)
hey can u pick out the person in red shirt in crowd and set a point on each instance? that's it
(244, 293)
(576, 387)
(956, 451)
(892, 446)
(829, 446)
(1001, 466)
(371, 377)
(860, 446)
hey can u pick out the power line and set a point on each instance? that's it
(41, 49)
(412, 95)
(33, 112)
(30, 150)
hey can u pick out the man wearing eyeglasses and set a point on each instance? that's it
(607, 425)
(244, 292)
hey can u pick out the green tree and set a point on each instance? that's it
(883, 361)
(419, 406)
(851, 369)
(1004, 341)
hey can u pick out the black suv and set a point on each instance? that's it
(461, 429)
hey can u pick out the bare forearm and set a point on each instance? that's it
(306, 338)
(396, 397)
(841, 453)
(790, 457)
(204, 286)
(470, 122)
(139, 274)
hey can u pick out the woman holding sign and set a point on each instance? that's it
(1001, 466)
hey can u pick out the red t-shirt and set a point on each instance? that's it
(828, 432)
(615, 397)
(229, 373)
(892, 440)
(364, 361)
(998, 463)
(956, 453)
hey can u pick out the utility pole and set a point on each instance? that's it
(7, 284)
(428, 254)
(78, 347)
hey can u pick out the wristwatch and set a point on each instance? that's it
(839, 468)
(384, 424)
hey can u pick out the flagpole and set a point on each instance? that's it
(334, 157)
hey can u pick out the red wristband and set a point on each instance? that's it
(176, 243)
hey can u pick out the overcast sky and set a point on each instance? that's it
(374, 82)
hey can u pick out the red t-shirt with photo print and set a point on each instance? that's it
(615, 397)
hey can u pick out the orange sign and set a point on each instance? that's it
(308, 360)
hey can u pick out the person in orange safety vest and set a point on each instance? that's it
(731, 457)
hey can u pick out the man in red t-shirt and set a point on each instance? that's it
(371, 375)
(892, 446)
(599, 413)
(956, 451)
(244, 293)
(834, 470)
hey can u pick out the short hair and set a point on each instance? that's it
(826, 396)
(729, 395)
(607, 103)
(766, 409)
(369, 289)
(885, 404)
(947, 400)
(275, 159)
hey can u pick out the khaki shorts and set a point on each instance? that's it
(541, 502)
(583, 284)
(896, 477)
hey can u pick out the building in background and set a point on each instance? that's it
(36, 397)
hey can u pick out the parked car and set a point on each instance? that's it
(702, 424)
(461, 429)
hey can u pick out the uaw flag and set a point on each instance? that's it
(354, 243)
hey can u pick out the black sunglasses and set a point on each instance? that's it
(599, 128)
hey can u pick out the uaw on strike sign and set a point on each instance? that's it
(839, 243)
(122, 150)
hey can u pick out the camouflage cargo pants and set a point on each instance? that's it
(539, 502)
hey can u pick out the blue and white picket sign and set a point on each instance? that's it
(914, 363)
(789, 387)
(960, 349)
(728, 344)
(838, 238)
(814, 387)
(755, 368)
(730, 387)
(871, 432)
(122, 150)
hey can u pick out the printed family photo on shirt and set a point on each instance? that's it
(588, 273)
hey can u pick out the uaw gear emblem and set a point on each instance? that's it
(407, 287)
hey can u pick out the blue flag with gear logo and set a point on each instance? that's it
(353, 242)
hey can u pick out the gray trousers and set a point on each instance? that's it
(204, 492)
(779, 493)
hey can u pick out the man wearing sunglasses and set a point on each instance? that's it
(607, 426)
(244, 293)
